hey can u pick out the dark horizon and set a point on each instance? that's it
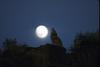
(84, 53)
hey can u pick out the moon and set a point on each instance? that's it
(41, 31)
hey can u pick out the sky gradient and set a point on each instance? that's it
(19, 18)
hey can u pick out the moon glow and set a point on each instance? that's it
(41, 31)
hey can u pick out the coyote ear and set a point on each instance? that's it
(53, 32)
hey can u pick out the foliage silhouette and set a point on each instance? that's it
(85, 53)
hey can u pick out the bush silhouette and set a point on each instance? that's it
(84, 53)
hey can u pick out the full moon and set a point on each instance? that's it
(41, 31)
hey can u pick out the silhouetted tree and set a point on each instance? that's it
(86, 50)
(85, 53)
(48, 55)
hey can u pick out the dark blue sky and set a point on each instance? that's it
(18, 19)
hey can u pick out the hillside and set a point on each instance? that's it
(84, 53)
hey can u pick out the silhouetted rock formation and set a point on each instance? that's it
(85, 53)
(44, 56)
(50, 56)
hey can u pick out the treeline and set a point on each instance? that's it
(83, 53)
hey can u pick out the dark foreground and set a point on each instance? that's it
(84, 53)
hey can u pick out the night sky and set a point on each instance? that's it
(19, 18)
